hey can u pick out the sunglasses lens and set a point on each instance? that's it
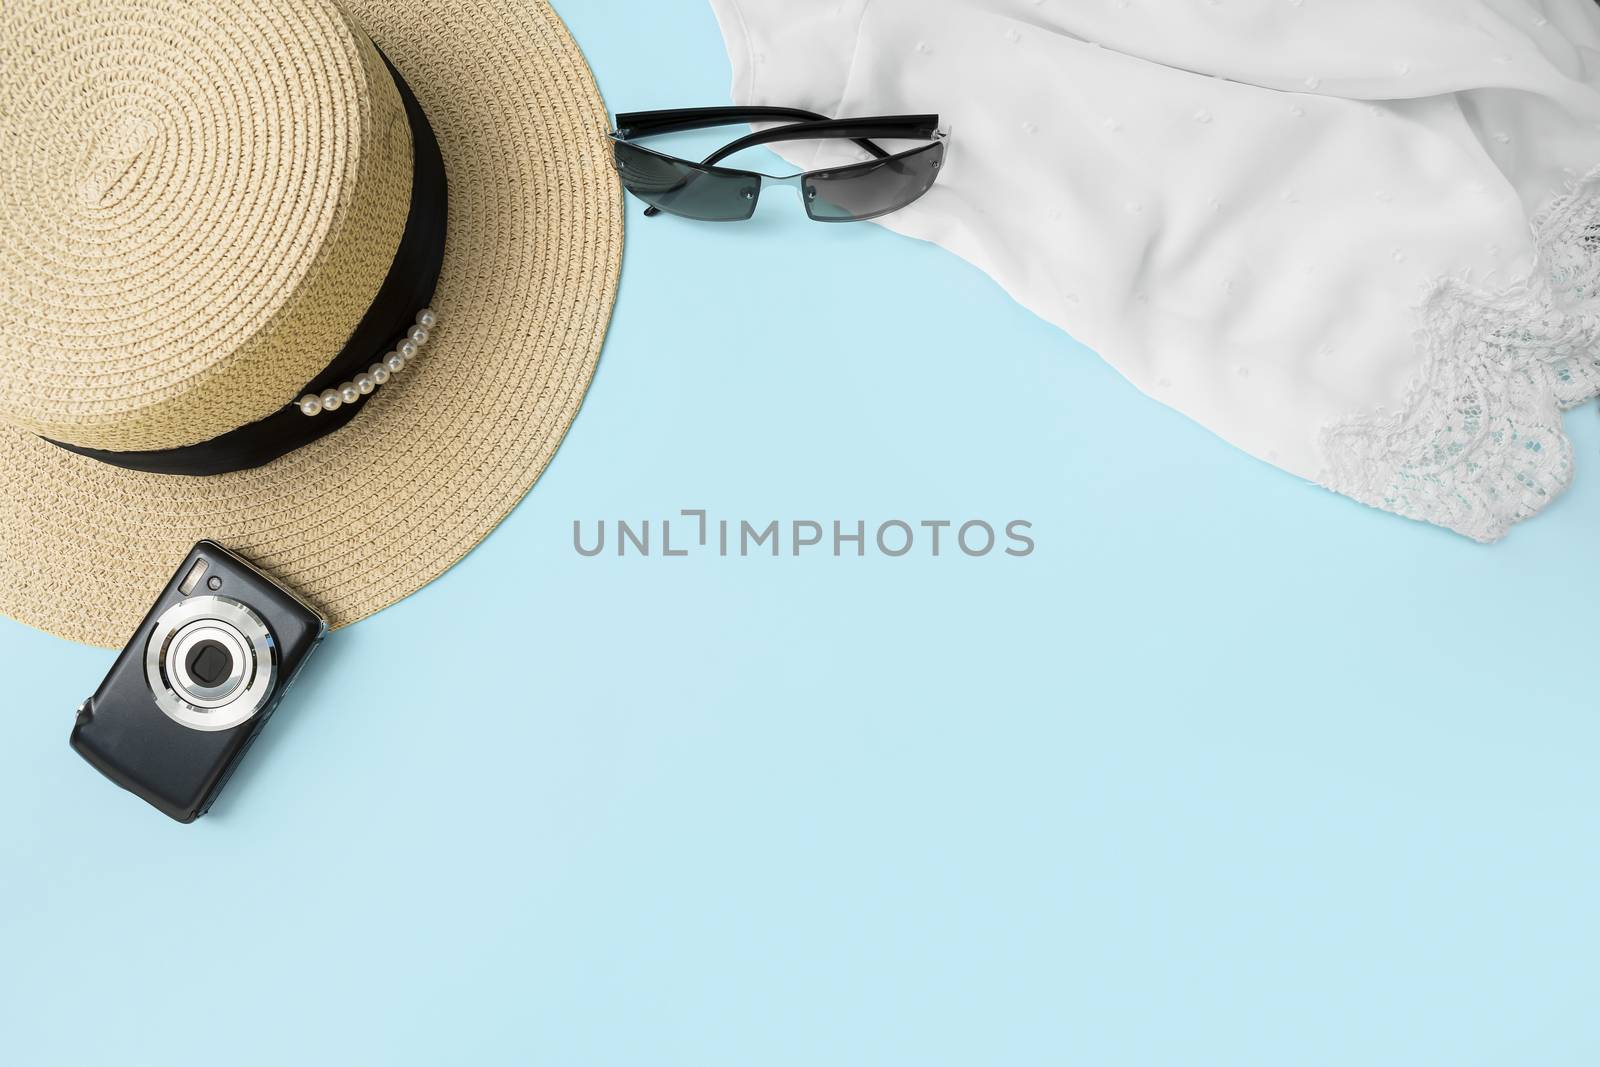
(686, 189)
(867, 190)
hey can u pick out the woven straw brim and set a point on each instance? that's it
(370, 514)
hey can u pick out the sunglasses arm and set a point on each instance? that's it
(909, 127)
(634, 124)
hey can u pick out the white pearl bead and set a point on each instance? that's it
(310, 405)
(365, 383)
(332, 401)
(379, 373)
(396, 362)
(419, 334)
(427, 318)
(407, 348)
(349, 392)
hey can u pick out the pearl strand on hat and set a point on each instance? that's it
(377, 374)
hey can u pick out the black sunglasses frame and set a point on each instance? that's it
(807, 125)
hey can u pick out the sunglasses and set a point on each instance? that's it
(704, 191)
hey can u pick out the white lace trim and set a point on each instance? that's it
(1478, 444)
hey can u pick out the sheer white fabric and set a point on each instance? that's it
(1356, 238)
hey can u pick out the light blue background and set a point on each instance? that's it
(1232, 771)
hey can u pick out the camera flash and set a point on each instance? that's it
(192, 579)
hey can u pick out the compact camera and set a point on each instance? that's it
(202, 675)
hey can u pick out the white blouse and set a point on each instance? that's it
(1356, 238)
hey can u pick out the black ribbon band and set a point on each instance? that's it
(407, 289)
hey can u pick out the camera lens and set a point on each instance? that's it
(209, 663)
(206, 662)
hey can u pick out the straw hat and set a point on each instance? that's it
(215, 212)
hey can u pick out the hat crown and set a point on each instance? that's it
(199, 200)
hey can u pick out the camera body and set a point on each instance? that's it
(195, 685)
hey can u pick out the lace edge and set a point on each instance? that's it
(1477, 444)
